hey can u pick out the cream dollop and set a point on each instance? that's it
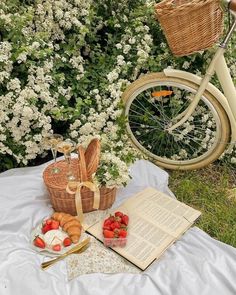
(54, 237)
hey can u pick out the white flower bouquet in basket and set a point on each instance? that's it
(115, 158)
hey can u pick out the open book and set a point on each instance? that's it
(156, 222)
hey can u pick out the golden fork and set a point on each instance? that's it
(81, 247)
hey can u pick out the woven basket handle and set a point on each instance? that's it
(82, 165)
(92, 157)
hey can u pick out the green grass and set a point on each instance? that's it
(210, 190)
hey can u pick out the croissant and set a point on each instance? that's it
(69, 224)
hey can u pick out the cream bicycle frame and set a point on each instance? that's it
(227, 100)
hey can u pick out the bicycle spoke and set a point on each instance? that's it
(144, 108)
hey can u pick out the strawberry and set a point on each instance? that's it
(67, 242)
(123, 226)
(125, 219)
(116, 232)
(46, 227)
(106, 227)
(118, 219)
(38, 242)
(107, 222)
(108, 234)
(111, 218)
(48, 221)
(115, 225)
(54, 224)
(56, 247)
(119, 214)
(122, 233)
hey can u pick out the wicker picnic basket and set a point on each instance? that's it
(190, 25)
(82, 168)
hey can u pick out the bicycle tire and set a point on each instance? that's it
(141, 103)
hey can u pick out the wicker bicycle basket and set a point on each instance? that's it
(61, 200)
(190, 25)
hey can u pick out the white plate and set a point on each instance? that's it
(48, 251)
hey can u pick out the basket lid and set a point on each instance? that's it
(92, 156)
(59, 181)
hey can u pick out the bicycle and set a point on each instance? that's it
(180, 120)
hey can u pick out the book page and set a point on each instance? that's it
(165, 212)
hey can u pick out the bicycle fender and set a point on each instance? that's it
(214, 91)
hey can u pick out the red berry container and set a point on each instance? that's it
(115, 242)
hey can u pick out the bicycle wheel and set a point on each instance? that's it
(151, 106)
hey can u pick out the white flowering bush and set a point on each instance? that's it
(64, 65)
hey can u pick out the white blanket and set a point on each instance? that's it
(196, 264)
